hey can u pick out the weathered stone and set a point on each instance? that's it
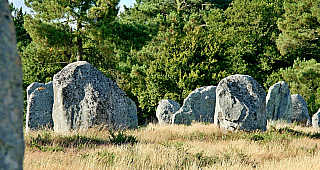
(315, 119)
(279, 104)
(32, 87)
(132, 121)
(240, 104)
(165, 111)
(198, 106)
(11, 102)
(300, 110)
(84, 97)
(39, 108)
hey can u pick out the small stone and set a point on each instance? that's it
(199, 106)
(39, 108)
(165, 111)
(300, 110)
(315, 119)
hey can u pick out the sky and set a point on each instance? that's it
(20, 3)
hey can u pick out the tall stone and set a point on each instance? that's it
(300, 110)
(316, 119)
(84, 97)
(198, 106)
(279, 104)
(165, 110)
(240, 104)
(11, 102)
(39, 108)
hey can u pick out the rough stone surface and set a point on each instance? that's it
(240, 104)
(165, 110)
(300, 110)
(84, 97)
(198, 106)
(279, 104)
(132, 121)
(315, 119)
(32, 87)
(39, 108)
(11, 102)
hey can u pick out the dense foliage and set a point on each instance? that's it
(165, 49)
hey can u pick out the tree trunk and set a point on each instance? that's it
(79, 42)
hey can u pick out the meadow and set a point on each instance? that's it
(199, 146)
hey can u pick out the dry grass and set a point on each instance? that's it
(198, 146)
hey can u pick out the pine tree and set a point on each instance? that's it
(23, 38)
(64, 27)
(300, 27)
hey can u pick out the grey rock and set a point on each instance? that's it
(39, 108)
(315, 119)
(132, 121)
(240, 104)
(11, 102)
(300, 110)
(198, 106)
(165, 111)
(279, 104)
(84, 97)
(32, 87)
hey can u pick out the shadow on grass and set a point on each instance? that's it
(47, 142)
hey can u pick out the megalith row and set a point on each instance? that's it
(237, 103)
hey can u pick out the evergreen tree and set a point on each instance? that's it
(23, 38)
(64, 31)
(246, 33)
(300, 27)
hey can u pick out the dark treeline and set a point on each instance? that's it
(162, 49)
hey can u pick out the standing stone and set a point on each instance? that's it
(198, 106)
(241, 104)
(132, 121)
(84, 97)
(11, 102)
(39, 108)
(315, 119)
(165, 110)
(279, 104)
(300, 110)
(32, 87)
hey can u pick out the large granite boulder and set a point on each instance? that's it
(241, 104)
(84, 97)
(39, 108)
(165, 110)
(198, 106)
(316, 119)
(11, 102)
(279, 104)
(300, 110)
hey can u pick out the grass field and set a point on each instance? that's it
(199, 146)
